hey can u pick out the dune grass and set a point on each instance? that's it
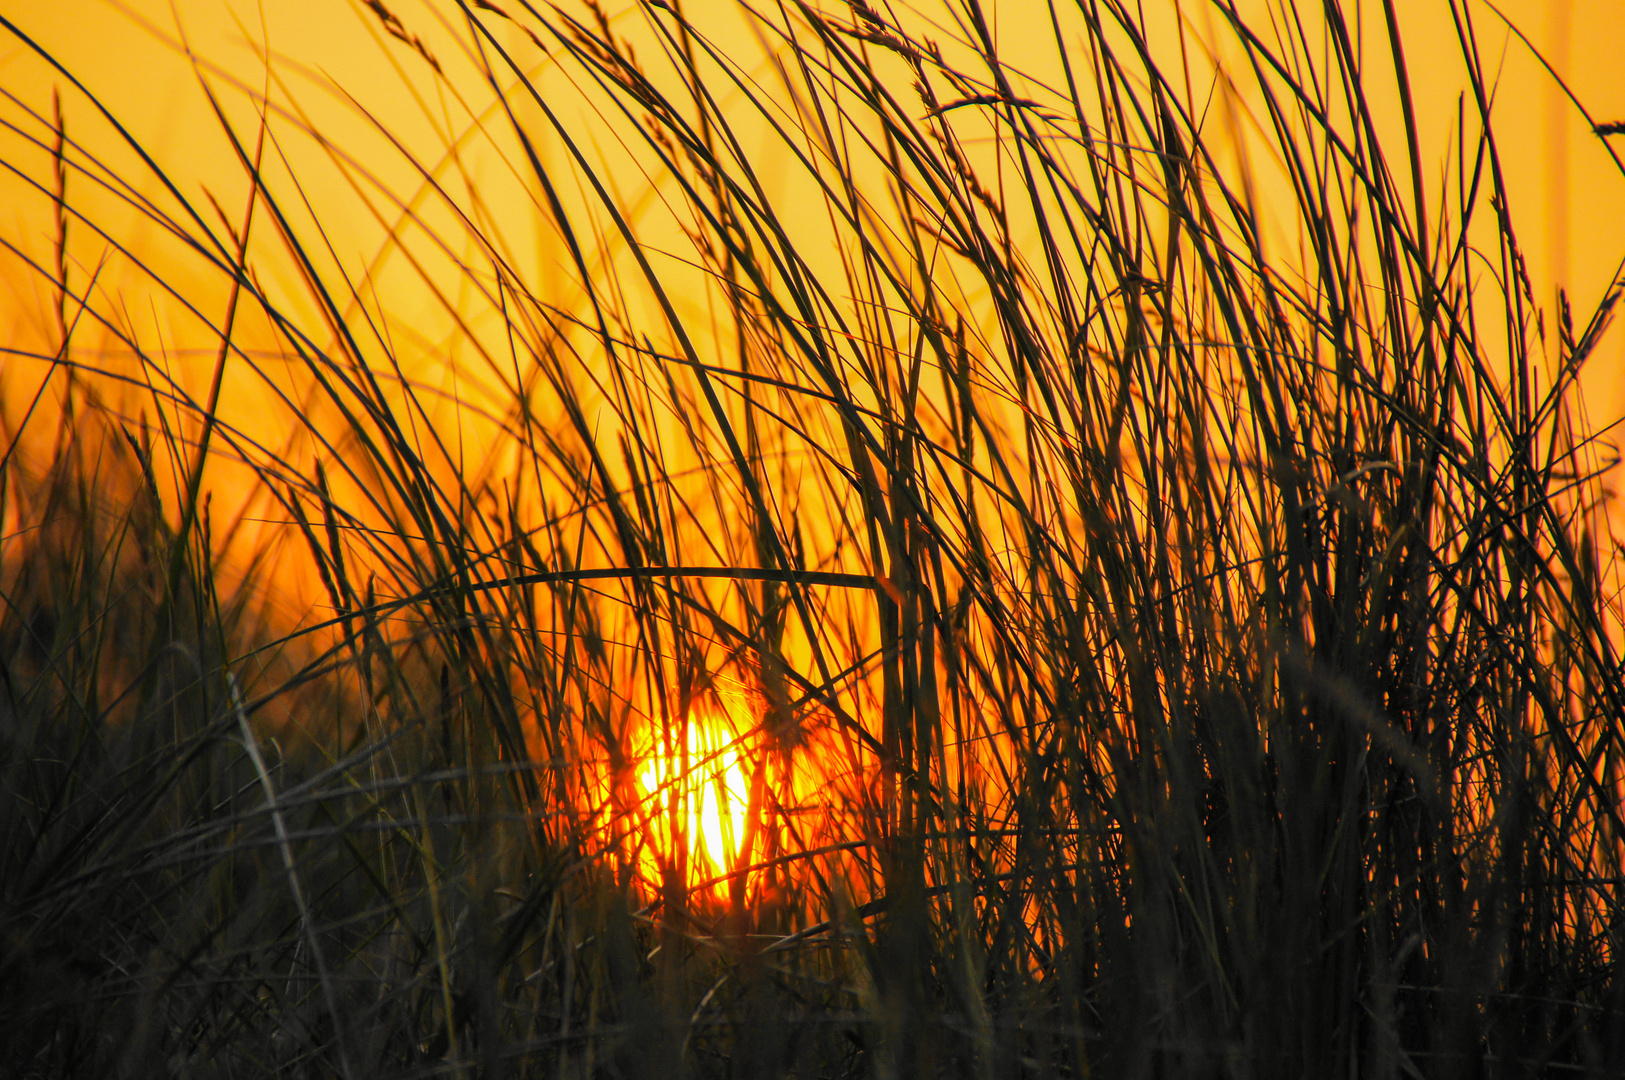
(1139, 531)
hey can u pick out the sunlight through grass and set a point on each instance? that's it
(798, 541)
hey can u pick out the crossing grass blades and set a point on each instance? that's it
(1147, 516)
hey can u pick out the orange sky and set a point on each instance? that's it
(1566, 190)
(1556, 163)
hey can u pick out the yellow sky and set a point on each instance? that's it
(1566, 189)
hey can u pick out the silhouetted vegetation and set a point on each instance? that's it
(1161, 563)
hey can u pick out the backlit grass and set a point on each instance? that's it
(799, 541)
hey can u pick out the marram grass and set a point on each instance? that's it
(792, 542)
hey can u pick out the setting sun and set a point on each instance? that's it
(710, 784)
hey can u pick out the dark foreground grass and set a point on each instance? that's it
(1164, 575)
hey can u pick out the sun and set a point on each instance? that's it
(706, 773)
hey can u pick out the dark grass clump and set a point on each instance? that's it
(1153, 572)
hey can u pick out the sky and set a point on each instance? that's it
(1566, 186)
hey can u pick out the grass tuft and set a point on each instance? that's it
(1103, 528)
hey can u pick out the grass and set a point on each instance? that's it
(1141, 538)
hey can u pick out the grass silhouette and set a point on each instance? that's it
(1142, 542)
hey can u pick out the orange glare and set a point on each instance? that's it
(712, 788)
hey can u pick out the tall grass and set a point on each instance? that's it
(1138, 530)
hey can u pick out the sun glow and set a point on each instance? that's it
(699, 786)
